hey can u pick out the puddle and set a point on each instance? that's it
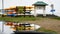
(8, 30)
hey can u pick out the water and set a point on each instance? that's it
(7, 29)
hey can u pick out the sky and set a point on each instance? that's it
(8, 3)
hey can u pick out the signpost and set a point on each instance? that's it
(52, 9)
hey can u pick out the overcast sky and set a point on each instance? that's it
(8, 3)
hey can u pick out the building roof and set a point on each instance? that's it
(40, 3)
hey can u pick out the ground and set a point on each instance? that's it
(47, 23)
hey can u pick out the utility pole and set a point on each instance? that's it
(1, 15)
(2, 7)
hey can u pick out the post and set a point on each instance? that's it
(1, 15)
(44, 11)
(2, 6)
(24, 10)
(52, 7)
(2, 26)
(35, 11)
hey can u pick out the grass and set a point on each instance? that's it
(46, 30)
(58, 18)
(17, 19)
(27, 18)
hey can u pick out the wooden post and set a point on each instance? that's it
(24, 10)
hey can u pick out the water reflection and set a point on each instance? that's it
(7, 29)
(8, 25)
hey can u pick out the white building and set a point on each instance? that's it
(39, 6)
